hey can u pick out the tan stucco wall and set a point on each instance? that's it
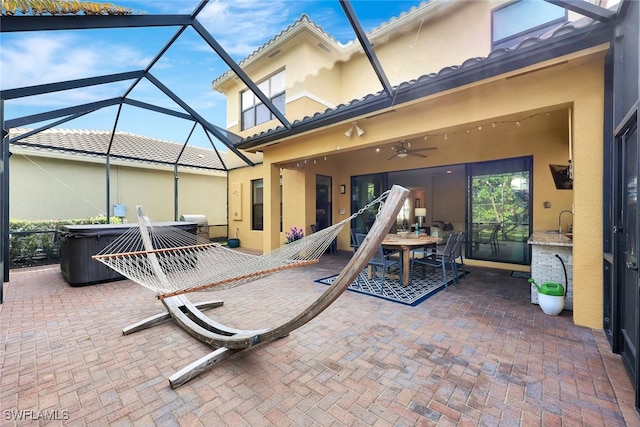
(575, 85)
(44, 188)
(416, 48)
(345, 73)
(243, 177)
(312, 83)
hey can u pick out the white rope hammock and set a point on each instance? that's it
(171, 261)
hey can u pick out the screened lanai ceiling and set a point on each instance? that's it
(152, 70)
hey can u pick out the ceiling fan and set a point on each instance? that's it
(403, 151)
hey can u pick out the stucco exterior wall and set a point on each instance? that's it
(44, 188)
(240, 180)
(312, 82)
(574, 86)
(570, 88)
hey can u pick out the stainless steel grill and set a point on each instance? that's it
(202, 223)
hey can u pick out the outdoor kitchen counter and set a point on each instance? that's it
(546, 267)
(550, 238)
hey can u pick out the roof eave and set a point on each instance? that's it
(304, 24)
(494, 65)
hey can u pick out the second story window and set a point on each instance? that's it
(514, 21)
(254, 112)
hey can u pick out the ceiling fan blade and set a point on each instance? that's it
(391, 157)
(425, 149)
(413, 153)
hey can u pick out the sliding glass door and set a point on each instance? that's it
(499, 210)
(497, 215)
(364, 189)
(323, 202)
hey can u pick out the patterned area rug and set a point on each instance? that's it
(419, 290)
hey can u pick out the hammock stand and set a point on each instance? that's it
(228, 340)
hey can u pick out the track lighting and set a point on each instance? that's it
(354, 126)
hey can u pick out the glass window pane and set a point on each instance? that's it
(247, 99)
(499, 209)
(278, 101)
(257, 205)
(262, 114)
(364, 189)
(248, 119)
(631, 195)
(277, 83)
(264, 87)
(523, 15)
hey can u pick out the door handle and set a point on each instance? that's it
(632, 266)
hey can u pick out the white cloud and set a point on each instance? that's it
(244, 25)
(44, 58)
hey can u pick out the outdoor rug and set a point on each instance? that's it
(419, 290)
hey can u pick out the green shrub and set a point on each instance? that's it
(37, 241)
(55, 224)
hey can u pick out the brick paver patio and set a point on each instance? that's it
(479, 354)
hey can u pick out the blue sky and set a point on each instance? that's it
(240, 26)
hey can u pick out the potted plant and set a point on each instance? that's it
(234, 243)
(294, 234)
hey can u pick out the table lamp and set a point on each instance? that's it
(420, 213)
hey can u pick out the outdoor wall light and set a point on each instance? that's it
(354, 126)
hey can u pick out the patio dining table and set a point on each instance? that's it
(405, 245)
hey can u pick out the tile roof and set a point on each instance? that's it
(127, 146)
(429, 6)
(576, 28)
(302, 22)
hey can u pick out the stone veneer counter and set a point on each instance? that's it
(546, 267)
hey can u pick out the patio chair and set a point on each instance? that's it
(379, 259)
(444, 260)
(354, 241)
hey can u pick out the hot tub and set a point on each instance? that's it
(78, 243)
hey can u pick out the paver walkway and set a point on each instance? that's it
(479, 354)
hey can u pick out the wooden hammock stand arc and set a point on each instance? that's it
(228, 340)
